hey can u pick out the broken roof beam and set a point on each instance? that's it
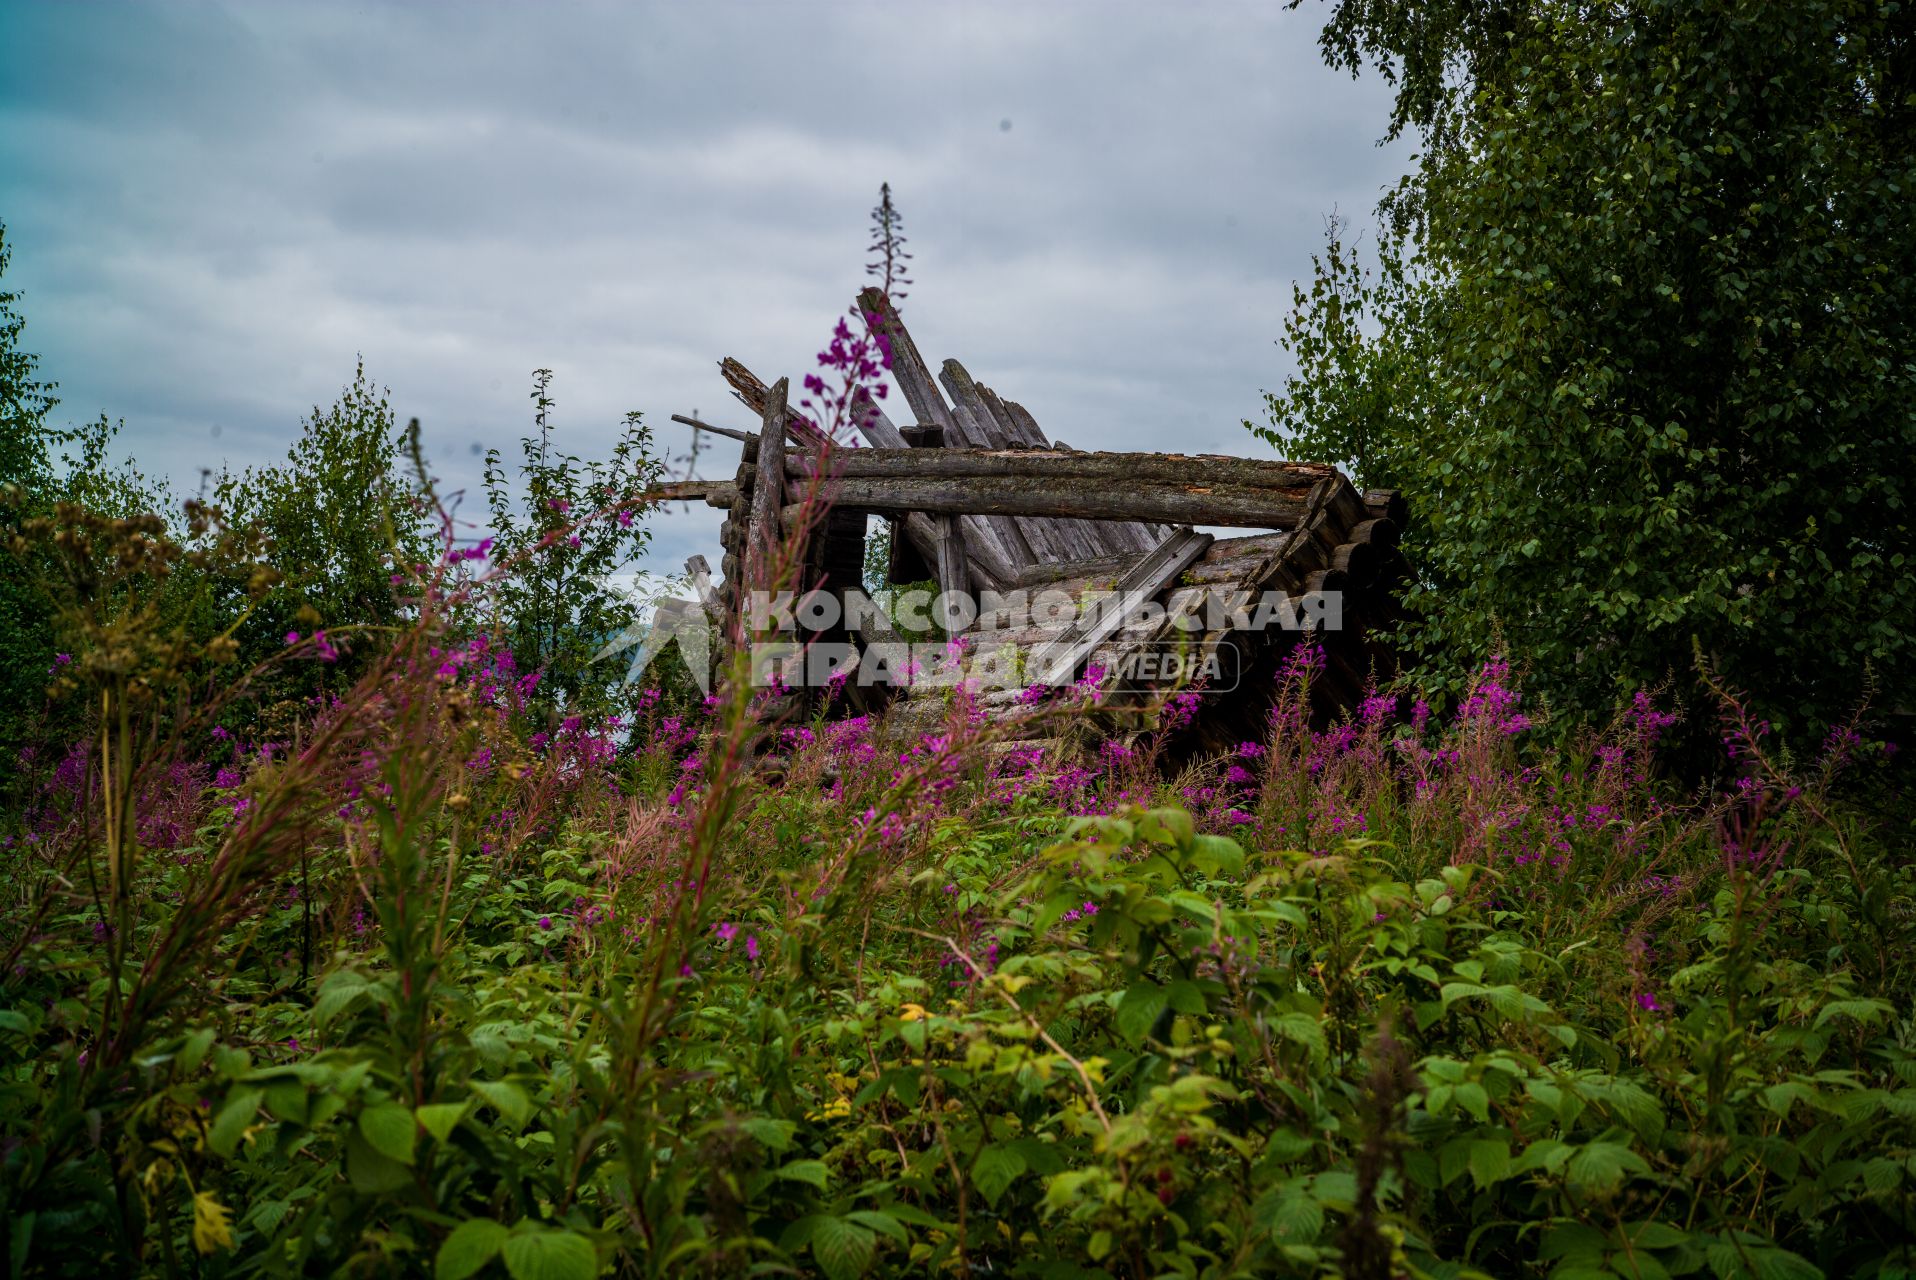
(1086, 498)
(1192, 469)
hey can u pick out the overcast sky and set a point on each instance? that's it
(213, 208)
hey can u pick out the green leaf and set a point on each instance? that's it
(1139, 1009)
(1599, 1168)
(229, 1126)
(391, 1129)
(369, 1172)
(1217, 856)
(441, 1118)
(843, 1249)
(883, 1223)
(193, 1050)
(994, 1171)
(811, 1172)
(1781, 1264)
(1169, 827)
(774, 1135)
(1489, 1162)
(507, 1098)
(1296, 1219)
(472, 1244)
(551, 1255)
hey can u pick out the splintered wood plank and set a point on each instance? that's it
(908, 368)
(1156, 571)
(768, 493)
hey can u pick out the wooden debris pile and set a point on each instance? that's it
(981, 500)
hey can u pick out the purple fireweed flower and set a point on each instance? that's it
(751, 946)
(545, 922)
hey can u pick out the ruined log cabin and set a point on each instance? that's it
(981, 501)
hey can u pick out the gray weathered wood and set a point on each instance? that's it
(908, 368)
(1048, 540)
(954, 574)
(1000, 543)
(1082, 498)
(1097, 567)
(768, 492)
(1195, 469)
(701, 574)
(713, 493)
(993, 564)
(1152, 574)
(727, 432)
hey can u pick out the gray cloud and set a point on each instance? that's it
(214, 208)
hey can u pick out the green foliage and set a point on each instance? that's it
(575, 524)
(1124, 1044)
(341, 517)
(1643, 362)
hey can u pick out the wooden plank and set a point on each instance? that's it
(1087, 538)
(768, 491)
(1156, 571)
(1130, 536)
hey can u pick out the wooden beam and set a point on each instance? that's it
(727, 432)
(768, 491)
(1221, 470)
(1142, 582)
(713, 493)
(1086, 499)
(908, 368)
(954, 574)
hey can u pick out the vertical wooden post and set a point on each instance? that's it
(768, 494)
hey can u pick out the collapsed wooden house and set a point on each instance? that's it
(981, 500)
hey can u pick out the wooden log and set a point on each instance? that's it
(1111, 537)
(768, 490)
(1085, 498)
(1388, 504)
(908, 368)
(1065, 570)
(1380, 533)
(713, 493)
(701, 575)
(1192, 469)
